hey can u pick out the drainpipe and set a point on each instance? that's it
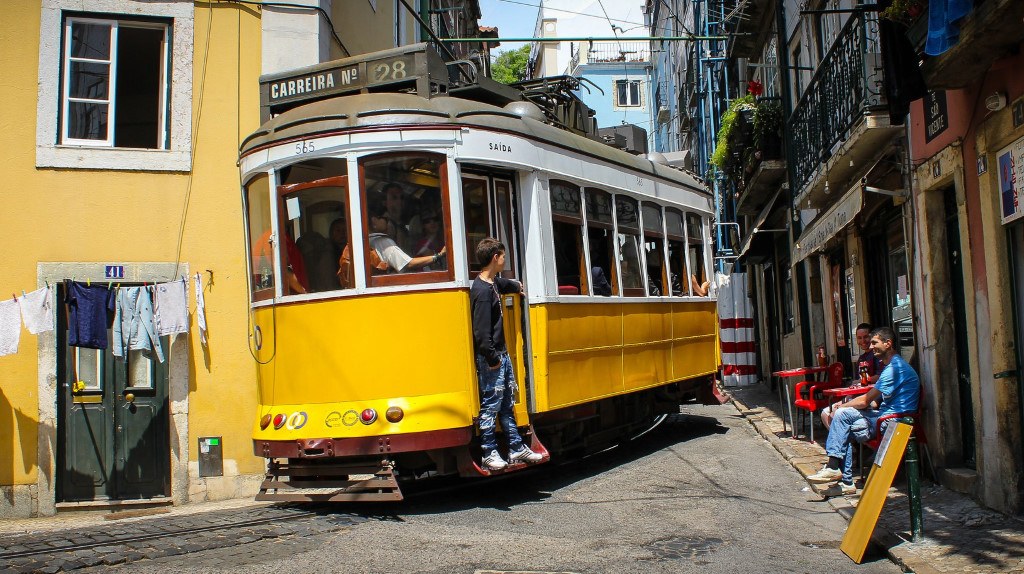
(782, 47)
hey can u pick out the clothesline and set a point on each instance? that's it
(141, 315)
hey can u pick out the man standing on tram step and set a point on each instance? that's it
(493, 366)
(897, 390)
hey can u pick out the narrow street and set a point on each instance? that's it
(703, 492)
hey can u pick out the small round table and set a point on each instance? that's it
(783, 382)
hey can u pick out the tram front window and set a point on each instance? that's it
(654, 249)
(676, 252)
(567, 233)
(261, 249)
(627, 216)
(406, 216)
(600, 234)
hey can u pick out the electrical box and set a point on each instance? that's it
(211, 458)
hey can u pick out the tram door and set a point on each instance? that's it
(113, 441)
(489, 211)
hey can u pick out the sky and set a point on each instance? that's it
(514, 18)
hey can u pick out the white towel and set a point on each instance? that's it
(10, 327)
(37, 310)
(200, 309)
(170, 307)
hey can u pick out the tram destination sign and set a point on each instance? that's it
(399, 68)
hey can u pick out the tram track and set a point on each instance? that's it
(191, 530)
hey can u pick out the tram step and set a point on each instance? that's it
(334, 483)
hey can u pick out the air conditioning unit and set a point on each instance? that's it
(663, 115)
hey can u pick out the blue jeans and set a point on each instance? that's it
(496, 403)
(849, 425)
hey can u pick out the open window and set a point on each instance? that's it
(601, 238)
(567, 235)
(627, 217)
(406, 219)
(260, 243)
(699, 282)
(654, 250)
(676, 239)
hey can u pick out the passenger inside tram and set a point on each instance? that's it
(431, 240)
(382, 242)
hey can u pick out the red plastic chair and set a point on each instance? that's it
(813, 400)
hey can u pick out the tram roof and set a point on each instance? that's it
(396, 110)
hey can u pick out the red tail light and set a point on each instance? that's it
(265, 421)
(368, 416)
(279, 421)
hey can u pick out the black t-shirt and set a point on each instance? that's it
(485, 307)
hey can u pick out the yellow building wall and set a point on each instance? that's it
(364, 29)
(129, 216)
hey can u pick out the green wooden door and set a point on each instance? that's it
(113, 435)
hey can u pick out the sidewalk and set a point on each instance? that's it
(959, 535)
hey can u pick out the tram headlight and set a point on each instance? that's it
(265, 421)
(394, 414)
(368, 416)
(279, 421)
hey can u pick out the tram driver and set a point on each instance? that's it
(382, 242)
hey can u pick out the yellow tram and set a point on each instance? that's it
(365, 365)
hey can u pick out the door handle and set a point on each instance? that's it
(129, 397)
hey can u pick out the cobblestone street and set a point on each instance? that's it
(703, 492)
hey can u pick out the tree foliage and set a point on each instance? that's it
(510, 66)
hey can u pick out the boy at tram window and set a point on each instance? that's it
(493, 365)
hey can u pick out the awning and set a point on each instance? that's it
(829, 224)
(751, 244)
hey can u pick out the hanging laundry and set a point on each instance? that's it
(10, 327)
(134, 326)
(170, 303)
(90, 308)
(37, 310)
(944, 24)
(200, 309)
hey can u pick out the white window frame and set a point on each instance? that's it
(111, 101)
(639, 95)
(51, 152)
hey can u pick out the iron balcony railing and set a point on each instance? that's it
(845, 86)
(603, 51)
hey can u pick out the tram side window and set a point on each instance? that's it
(699, 282)
(567, 233)
(261, 249)
(487, 212)
(654, 250)
(600, 235)
(676, 238)
(315, 231)
(628, 238)
(406, 217)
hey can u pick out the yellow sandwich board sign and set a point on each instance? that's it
(887, 462)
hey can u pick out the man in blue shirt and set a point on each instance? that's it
(897, 390)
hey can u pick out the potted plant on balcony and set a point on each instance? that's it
(904, 11)
(768, 128)
(720, 158)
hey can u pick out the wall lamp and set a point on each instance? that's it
(890, 192)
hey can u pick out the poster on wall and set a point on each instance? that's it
(1011, 179)
(851, 304)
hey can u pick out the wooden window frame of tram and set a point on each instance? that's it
(285, 189)
(267, 293)
(596, 223)
(579, 221)
(415, 277)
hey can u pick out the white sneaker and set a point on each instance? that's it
(524, 454)
(839, 489)
(826, 474)
(493, 461)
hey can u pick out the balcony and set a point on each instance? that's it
(842, 121)
(990, 32)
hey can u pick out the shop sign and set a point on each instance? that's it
(1011, 179)
(829, 224)
(936, 118)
